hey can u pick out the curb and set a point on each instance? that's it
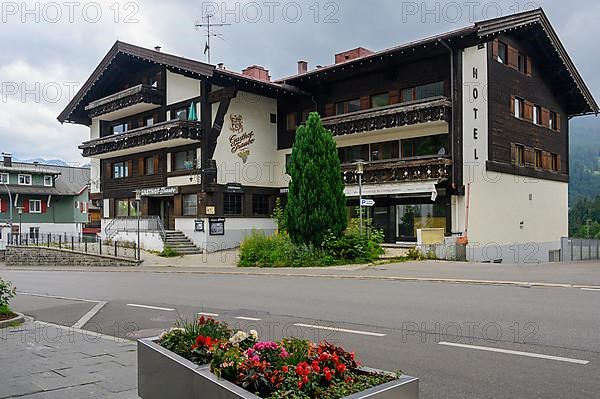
(19, 319)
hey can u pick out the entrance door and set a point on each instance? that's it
(166, 213)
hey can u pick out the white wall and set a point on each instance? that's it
(235, 231)
(95, 175)
(180, 88)
(513, 218)
(264, 165)
(148, 241)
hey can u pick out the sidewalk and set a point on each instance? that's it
(44, 361)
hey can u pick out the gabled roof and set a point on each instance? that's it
(197, 68)
(69, 180)
(478, 32)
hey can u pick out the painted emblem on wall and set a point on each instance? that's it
(240, 141)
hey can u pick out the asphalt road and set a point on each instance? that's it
(553, 333)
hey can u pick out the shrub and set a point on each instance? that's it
(168, 252)
(354, 245)
(7, 292)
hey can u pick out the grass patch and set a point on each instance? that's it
(168, 252)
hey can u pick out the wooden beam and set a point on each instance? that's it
(219, 95)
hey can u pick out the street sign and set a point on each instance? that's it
(367, 202)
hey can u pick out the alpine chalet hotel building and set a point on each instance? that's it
(465, 131)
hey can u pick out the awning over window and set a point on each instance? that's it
(417, 189)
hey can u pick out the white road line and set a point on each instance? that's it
(207, 314)
(247, 318)
(65, 298)
(343, 330)
(135, 305)
(86, 333)
(510, 352)
(89, 315)
(591, 289)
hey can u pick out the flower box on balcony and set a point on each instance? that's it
(164, 374)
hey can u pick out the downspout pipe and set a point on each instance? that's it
(452, 98)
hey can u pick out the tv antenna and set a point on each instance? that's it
(209, 34)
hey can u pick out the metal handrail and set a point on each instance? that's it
(125, 223)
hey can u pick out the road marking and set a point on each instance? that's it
(135, 305)
(207, 314)
(510, 352)
(343, 330)
(65, 298)
(591, 289)
(86, 333)
(89, 315)
(247, 318)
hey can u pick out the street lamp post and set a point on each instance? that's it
(138, 198)
(20, 212)
(10, 209)
(359, 171)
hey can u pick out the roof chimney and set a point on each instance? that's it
(353, 54)
(302, 67)
(220, 65)
(157, 48)
(7, 159)
(257, 72)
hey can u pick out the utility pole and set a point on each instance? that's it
(209, 34)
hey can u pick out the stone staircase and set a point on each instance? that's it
(180, 243)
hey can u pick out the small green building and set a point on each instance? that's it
(45, 199)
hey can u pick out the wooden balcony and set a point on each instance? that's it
(165, 134)
(396, 115)
(140, 98)
(400, 170)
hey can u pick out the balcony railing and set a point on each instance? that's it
(396, 115)
(125, 98)
(400, 170)
(160, 132)
(147, 224)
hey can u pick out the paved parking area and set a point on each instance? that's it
(46, 361)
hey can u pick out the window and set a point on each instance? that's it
(345, 107)
(232, 204)
(260, 204)
(34, 233)
(35, 206)
(150, 121)
(522, 63)
(120, 128)
(555, 166)
(48, 182)
(25, 180)
(122, 208)
(354, 153)
(519, 107)
(387, 150)
(380, 100)
(149, 166)
(520, 155)
(537, 114)
(538, 159)
(180, 114)
(502, 53)
(552, 121)
(120, 170)
(184, 160)
(4, 178)
(190, 205)
(425, 146)
(408, 95)
(430, 90)
(290, 121)
(273, 118)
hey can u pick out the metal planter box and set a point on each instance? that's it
(163, 374)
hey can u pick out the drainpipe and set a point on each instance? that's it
(452, 98)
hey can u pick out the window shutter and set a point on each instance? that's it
(156, 164)
(25, 205)
(528, 111)
(558, 164)
(365, 102)
(513, 153)
(545, 117)
(529, 157)
(495, 50)
(546, 161)
(329, 109)
(512, 105)
(529, 66)
(130, 168)
(558, 121)
(3, 205)
(394, 96)
(141, 169)
(107, 170)
(44, 206)
(513, 57)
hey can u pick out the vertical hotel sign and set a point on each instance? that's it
(475, 111)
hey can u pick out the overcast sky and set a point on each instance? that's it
(49, 48)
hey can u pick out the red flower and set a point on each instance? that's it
(327, 373)
(285, 369)
(341, 368)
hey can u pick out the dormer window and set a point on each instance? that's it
(4, 178)
(48, 181)
(25, 180)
